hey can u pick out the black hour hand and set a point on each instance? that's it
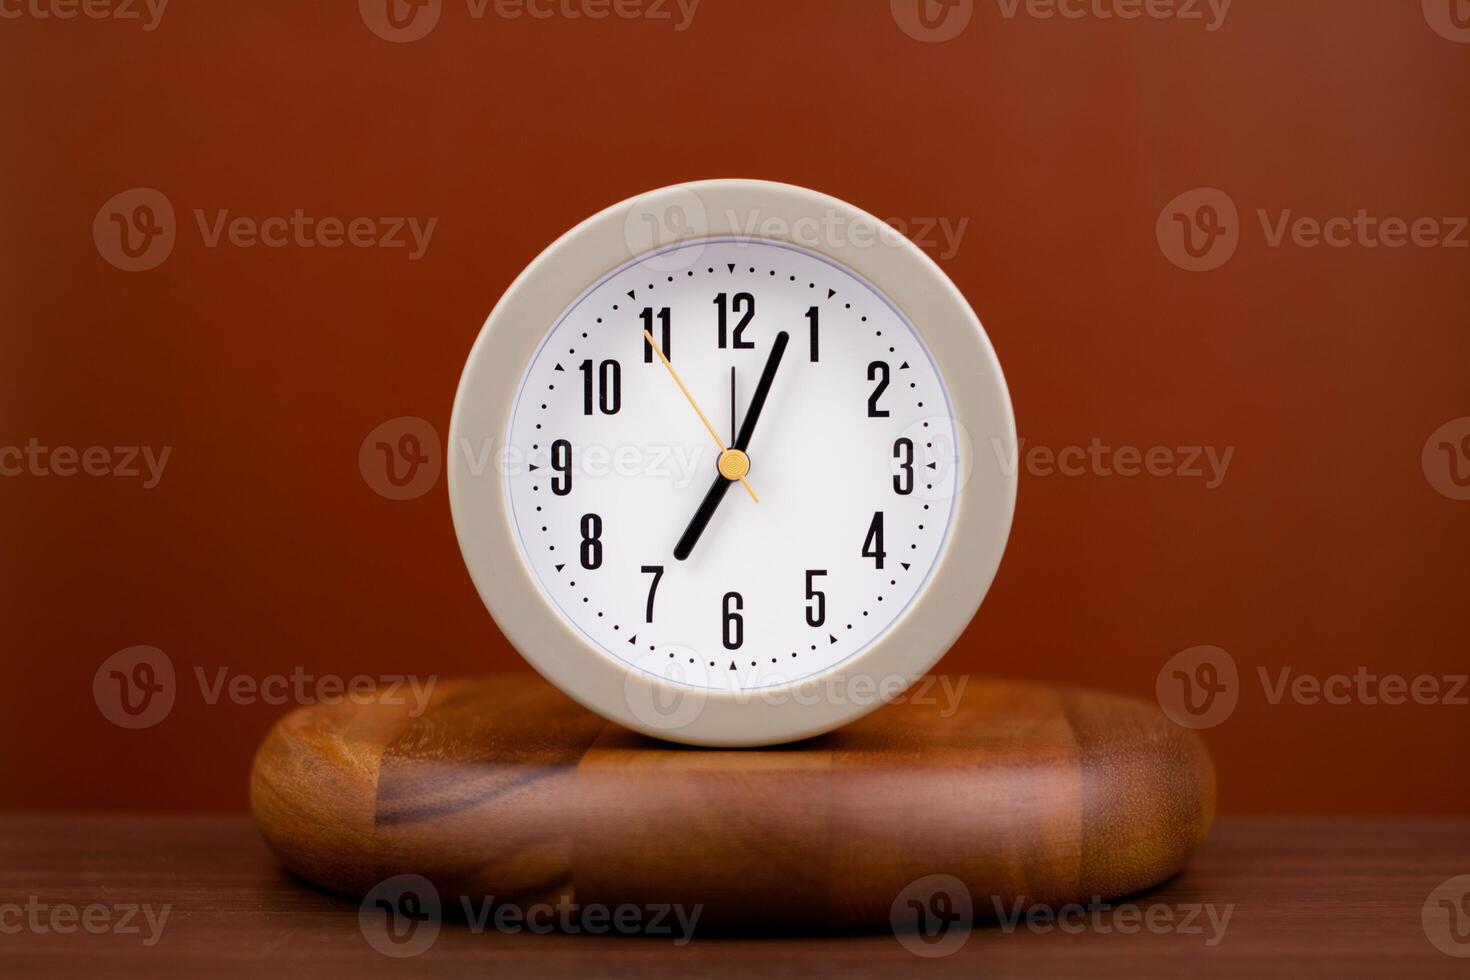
(706, 510)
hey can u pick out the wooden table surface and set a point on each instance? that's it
(1306, 897)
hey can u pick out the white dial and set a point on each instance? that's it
(614, 486)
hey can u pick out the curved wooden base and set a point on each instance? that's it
(504, 787)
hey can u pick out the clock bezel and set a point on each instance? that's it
(935, 616)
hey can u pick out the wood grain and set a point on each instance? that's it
(505, 787)
(1310, 898)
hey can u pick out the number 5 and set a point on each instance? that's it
(818, 615)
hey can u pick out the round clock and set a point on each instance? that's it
(731, 463)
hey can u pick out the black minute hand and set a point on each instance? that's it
(762, 389)
(717, 490)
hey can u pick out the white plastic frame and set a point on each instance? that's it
(978, 396)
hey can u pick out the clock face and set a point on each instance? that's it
(615, 487)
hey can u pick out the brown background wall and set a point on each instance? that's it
(263, 549)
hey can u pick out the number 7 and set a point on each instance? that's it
(657, 571)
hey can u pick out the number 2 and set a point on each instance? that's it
(877, 371)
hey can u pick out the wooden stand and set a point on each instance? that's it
(504, 787)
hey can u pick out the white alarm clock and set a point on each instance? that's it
(731, 463)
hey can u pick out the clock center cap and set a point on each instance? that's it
(734, 464)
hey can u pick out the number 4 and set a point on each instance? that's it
(873, 543)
